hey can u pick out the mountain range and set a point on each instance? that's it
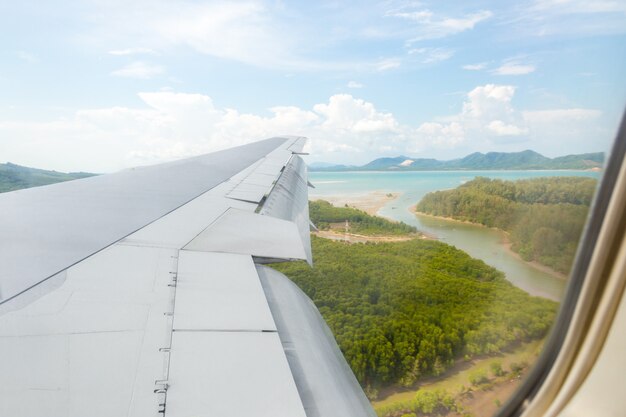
(475, 162)
(15, 177)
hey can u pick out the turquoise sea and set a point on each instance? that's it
(480, 242)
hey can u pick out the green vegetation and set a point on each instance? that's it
(470, 400)
(404, 310)
(443, 398)
(456, 381)
(544, 216)
(14, 177)
(324, 215)
(478, 377)
(517, 368)
(496, 368)
(425, 402)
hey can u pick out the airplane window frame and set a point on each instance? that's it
(518, 402)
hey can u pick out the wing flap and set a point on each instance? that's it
(324, 379)
(235, 374)
(219, 291)
(239, 231)
(289, 201)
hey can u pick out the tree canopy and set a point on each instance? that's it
(402, 310)
(544, 216)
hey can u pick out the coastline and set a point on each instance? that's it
(370, 202)
(356, 238)
(541, 267)
(413, 210)
(505, 243)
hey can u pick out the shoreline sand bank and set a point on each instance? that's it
(370, 202)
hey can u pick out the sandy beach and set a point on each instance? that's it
(370, 203)
(355, 238)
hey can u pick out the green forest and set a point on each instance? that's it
(543, 216)
(404, 310)
(324, 215)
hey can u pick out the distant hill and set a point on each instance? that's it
(476, 161)
(15, 177)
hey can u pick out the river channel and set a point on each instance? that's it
(480, 242)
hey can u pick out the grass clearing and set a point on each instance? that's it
(458, 376)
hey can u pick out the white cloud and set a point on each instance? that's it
(488, 119)
(432, 55)
(171, 125)
(475, 67)
(355, 84)
(428, 25)
(139, 69)
(487, 115)
(442, 135)
(132, 51)
(489, 110)
(344, 112)
(489, 101)
(514, 69)
(502, 129)
(174, 125)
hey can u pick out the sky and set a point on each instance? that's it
(103, 85)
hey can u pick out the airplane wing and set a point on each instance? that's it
(144, 293)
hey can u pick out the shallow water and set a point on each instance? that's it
(480, 242)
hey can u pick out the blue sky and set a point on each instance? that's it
(102, 85)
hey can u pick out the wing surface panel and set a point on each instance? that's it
(297, 144)
(179, 227)
(259, 181)
(58, 225)
(91, 346)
